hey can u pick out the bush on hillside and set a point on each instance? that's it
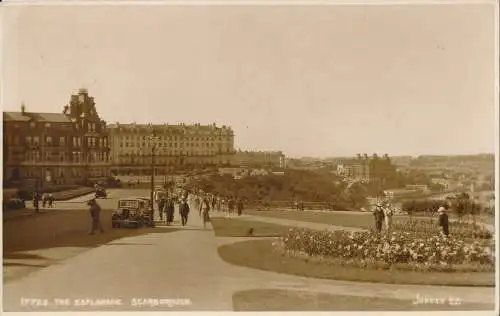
(293, 185)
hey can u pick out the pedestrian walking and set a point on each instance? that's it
(50, 199)
(184, 210)
(214, 202)
(44, 200)
(161, 206)
(170, 210)
(443, 221)
(36, 201)
(205, 211)
(240, 206)
(95, 214)
(230, 206)
(378, 214)
(219, 204)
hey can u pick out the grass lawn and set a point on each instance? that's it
(260, 254)
(233, 227)
(361, 220)
(283, 300)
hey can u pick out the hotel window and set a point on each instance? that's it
(62, 141)
(28, 140)
(49, 140)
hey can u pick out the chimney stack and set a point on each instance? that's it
(23, 109)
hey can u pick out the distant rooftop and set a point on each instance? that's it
(39, 117)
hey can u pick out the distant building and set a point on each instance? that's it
(271, 159)
(366, 169)
(43, 149)
(418, 187)
(401, 193)
(176, 145)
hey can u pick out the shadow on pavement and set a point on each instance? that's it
(23, 256)
(128, 244)
(15, 264)
(66, 229)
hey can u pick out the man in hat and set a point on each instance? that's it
(95, 214)
(443, 221)
(378, 214)
(184, 210)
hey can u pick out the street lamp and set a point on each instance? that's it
(153, 139)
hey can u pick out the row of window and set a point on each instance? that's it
(170, 138)
(171, 145)
(164, 162)
(60, 172)
(177, 152)
(76, 157)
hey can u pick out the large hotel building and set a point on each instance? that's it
(77, 147)
(174, 146)
(71, 147)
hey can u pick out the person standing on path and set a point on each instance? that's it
(205, 212)
(378, 214)
(184, 210)
(95, 214)
(240, 206)
(443, 221)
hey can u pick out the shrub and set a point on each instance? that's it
(399, 250)
(14, 204)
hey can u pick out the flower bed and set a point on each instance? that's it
(399, 250)
(429, 228)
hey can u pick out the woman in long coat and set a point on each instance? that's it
(170, 210)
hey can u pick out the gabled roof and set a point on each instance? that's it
(15, 117)
(39, 117)
(50, 117)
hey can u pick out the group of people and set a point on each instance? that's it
(166, 202)
(47, 199)
(383, 212)
(228, 205)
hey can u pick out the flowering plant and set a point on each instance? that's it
(389, 250)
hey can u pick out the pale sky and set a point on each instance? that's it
(307, 80)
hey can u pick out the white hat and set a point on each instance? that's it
(379, 204)
(441, 210)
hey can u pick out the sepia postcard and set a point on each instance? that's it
(250, 156)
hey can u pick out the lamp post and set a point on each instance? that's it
(153, 140)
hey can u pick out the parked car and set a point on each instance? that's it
(133, 212)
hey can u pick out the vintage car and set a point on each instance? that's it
(133, 212)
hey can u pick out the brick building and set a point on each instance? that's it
(175, 146)
(43, 149)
